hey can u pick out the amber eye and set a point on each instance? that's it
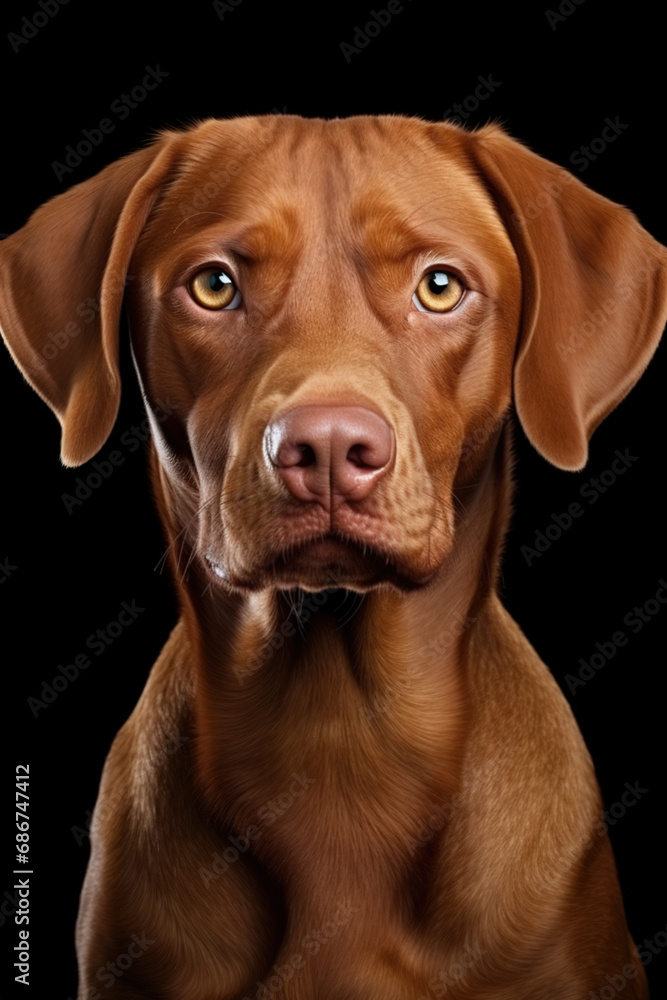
(438, 291)
(212, 288)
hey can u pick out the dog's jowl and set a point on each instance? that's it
(379, 775)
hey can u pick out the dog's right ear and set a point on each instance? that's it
(62, 278)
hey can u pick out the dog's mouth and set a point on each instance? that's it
(327, 561)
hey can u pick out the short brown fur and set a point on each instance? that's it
(413, 811)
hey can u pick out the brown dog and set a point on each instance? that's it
(379, 798)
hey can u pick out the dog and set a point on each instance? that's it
(378, 789)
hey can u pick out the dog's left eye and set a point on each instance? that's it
(212, 288)
(438, 291)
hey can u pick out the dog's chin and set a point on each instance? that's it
(323, 563)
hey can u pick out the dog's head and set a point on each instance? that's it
(339, 313)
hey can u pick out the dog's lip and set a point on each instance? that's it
(326, 560)
(325, 547)
(331, 543)
(330, 547)
(334, 559)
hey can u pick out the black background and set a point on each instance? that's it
(554, 86)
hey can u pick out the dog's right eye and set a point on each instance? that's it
(212, 288)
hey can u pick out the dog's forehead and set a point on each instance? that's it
(364, 175)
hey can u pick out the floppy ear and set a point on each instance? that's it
(594, 296)
(62, 278)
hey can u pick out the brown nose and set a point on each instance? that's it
(324, 452)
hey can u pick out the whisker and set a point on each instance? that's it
(162, 561)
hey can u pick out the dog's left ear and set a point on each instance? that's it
(62, 278)
(594, 295)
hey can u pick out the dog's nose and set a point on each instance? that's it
(324, 452)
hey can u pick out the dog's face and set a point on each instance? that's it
(337, 314)
(331, 332)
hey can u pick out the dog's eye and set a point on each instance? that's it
(438, 291)
(214, 289)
